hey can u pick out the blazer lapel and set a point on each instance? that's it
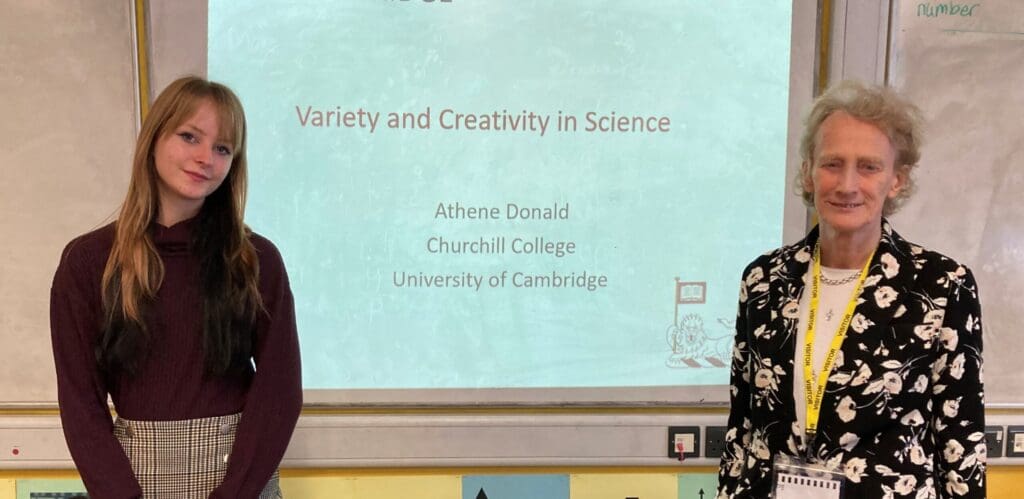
(785, 286)
(890, 277)
(887, 286)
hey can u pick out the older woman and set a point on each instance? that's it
(856, 350)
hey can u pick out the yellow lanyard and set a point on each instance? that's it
(814, 390)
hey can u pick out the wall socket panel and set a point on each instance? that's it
(714, 441)
(1015, 441)
(688, 437)
(994, 439)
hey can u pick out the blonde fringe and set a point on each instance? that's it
(134, 262)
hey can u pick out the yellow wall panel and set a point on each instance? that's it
(406, 487)
(375, 487)
(621, 485)
(1004, 482)
(318, 487)
(7, 489)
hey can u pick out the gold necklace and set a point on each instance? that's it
(839, 282)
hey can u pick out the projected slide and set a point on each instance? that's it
(512, 193)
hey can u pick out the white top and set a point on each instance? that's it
(831, 306)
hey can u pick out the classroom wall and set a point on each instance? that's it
(90, 51)
(69, 111)
(496, 483)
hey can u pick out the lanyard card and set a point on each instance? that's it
(796, 478)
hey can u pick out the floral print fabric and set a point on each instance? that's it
(903, 411)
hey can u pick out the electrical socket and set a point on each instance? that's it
(689, 434)
(994, 440)
(714, 441)
(1015, 441)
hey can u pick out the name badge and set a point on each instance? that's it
(796, 478)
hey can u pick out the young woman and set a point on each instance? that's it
(183, 316)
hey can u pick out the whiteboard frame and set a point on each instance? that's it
(179, 47)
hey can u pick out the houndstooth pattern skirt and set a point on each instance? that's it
(182, 459)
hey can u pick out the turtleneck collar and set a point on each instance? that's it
(176, 239)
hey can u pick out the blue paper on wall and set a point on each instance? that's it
(515, 487)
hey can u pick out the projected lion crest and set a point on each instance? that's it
(691, 345)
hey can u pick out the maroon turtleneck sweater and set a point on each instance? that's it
(171, 384)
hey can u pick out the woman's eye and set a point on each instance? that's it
(187, 137)
(223, 150)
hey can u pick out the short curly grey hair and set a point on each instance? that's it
(897, 118)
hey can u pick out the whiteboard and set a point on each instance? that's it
(66, 138)
(66, 144)
(963, 64)
(384, 309)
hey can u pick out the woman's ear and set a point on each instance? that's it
(902, 172)
(805, 174)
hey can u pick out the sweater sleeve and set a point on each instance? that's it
(81, 393)
(958, 395)
(274, 400)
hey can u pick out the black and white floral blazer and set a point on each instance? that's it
(903, 412)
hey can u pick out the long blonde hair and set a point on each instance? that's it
(134, 271)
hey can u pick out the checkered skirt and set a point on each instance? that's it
(182, 459)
